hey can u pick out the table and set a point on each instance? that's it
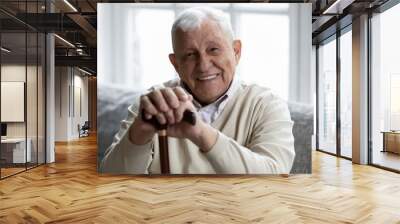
(13, 150)
(391, 141)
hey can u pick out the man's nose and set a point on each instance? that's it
(204, 63)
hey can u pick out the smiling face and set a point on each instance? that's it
(205, 60)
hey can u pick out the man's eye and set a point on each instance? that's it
(190, 54)
(214, 50)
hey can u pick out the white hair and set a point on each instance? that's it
(192, 18)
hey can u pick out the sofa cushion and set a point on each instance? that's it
(112, 107)
(303, 118)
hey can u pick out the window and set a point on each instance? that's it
(385, 87)
(265, 56)
(154, 67)
(327, 97)
(394, 102)
(346, 94)
(138, 57)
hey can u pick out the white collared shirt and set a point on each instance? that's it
(210, 112)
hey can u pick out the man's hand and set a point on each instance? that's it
(159, 103)
(167, 106)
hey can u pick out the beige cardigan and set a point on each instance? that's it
(255, 137)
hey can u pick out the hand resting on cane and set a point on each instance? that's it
(167, 105)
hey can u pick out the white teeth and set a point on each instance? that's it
(207, 77)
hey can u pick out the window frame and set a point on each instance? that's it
(334, 37)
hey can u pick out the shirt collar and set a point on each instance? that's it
(221, 101)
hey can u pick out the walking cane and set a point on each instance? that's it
(188, 117)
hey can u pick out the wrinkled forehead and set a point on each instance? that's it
(207, 31)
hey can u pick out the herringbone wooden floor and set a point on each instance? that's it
(71, 191)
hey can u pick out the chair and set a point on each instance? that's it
(84, 130)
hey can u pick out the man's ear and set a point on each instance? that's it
(172, 59)
(237, 48)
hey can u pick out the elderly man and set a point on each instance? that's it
(240, 129)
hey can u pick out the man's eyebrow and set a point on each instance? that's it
(185, 49)
(213, 42)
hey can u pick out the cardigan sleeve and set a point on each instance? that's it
(124, 157)
(269, 151)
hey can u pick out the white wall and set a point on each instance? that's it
(82, 82)
(360, 90)
(14, 73)
(17, 73)
(61, 103)
(33, 126)
(70, 83)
